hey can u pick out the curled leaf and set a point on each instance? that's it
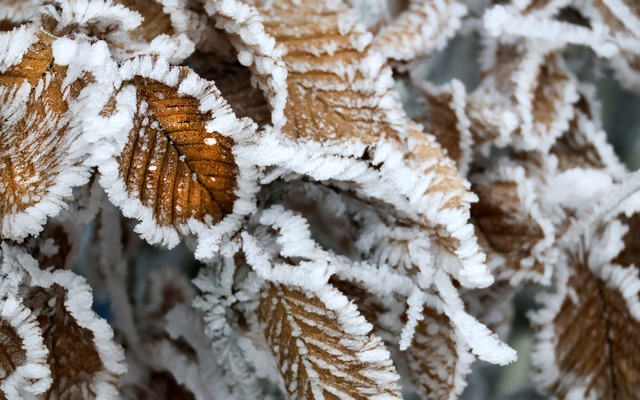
(539, 86)
(438, 360)
(82, 357)
(512, 225)
(587, 333)
(42, 150)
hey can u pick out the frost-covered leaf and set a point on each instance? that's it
(538, 86)
(337, 88)
(424, 27)
(587, 340)
(182, 170)
(345, 123)
(438, 360)
(82, 358)
(42, 150)
(256, 49)
(23, 355)
(323, 346)
(155, 33)
(513, 229)
(445, 118)
(584, 144)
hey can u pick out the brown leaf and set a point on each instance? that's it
(540, 88)
(511, 225)
(424, 27)
(80, 354)
(438, 360)
(332, 80)
(587, 343)
(445, 118)
(73, 358)
(40, 156)
(584, 144)
(179, 132)
(178, 172)
(12, 354)
(324, 352)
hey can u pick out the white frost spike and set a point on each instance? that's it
(414, 315)
(482, 341)
(501, 20)
(244, 356)
(14, 44)
(89, 15)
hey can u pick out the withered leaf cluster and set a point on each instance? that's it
(359, 229)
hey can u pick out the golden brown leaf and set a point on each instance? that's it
(424, 27)
(40, 156)
(511, 225)
(587, 340)
(438, 360)
(337, 89)
(324, 352)
(540, 89)
(178, 172)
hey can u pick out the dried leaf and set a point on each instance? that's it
(337, 88)
(512, 225)
(180, 171)
(445, 118)
(584, 144)
(438, 360)
(587, 342)
(83, 359)
(42, 154)
(540, 89)
(256, 50)
(324, 349)
(424, 27)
